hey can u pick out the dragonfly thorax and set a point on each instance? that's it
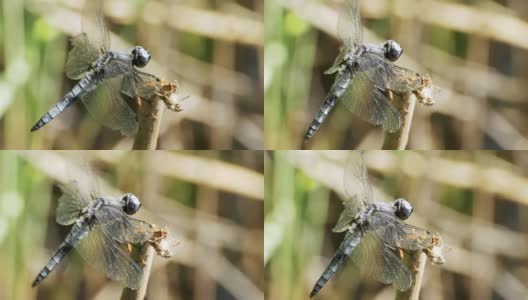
(362, 216)
(353, 56)
(103, 60)
(140, 56)
(131, 203)
(87, 214)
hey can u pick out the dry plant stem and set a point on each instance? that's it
(398, 140)
(150, 113)
(142, 255)
(416, 263)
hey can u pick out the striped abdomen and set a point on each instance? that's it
(81, 88)
(338, 88)
(321, 115)
(77, 233)
(350, 243)
(332, 267)
(63, 250)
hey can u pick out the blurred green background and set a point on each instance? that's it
(211, 203)
(212, 47)
(477, 201)
(475, 50)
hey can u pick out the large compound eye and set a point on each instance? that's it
(131, 203)
(402, 208)
(392, 50)
(140, 57)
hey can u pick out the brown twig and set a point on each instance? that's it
(415, 260)
(416, 263)
(398, 140)
(150, 113)
(143, 256)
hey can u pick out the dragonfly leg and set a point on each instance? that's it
(138, 99)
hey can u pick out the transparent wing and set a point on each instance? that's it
(398, 234)
(71, 203)
(401, 79)
(356, 178)
(140, 84)
(339, 59)
(349, 23)
(117, 67)
(101, 250)
(93, 25)
(80, 191)
(375, 260)
(368, 102)
(386, 75)
(81, 57)
(109, 108)
(346, 216)
(357, 189)
(85, 175)
(114, 222)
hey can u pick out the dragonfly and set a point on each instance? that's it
(102, 231)
(376, 234)
(104, 76)
(365, 74)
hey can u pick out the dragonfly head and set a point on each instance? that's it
(140, 56)
(131, 203)
(402, 208)
(392, 50)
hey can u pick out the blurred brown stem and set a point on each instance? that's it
(150, 113)
(398, 140)
(416, 263)
(143, 256)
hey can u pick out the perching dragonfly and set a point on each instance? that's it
(102, 231)
(375, 232)
(104, 75)
(365, 74)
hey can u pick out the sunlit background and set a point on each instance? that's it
(475, 50)
(213, 48)
(211, 203)
(477, 201)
